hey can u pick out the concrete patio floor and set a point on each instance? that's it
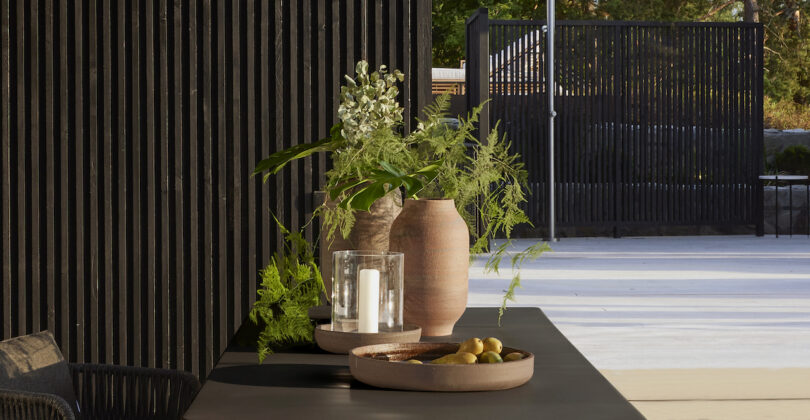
(685, 327)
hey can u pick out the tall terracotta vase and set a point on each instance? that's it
(435, 241)
(370, 232)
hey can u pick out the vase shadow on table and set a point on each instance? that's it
(288, 375)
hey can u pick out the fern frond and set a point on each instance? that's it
(509, 295)
(289, 285)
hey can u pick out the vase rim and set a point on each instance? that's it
(368, 253)
(431, 200)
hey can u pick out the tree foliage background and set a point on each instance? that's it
(787, 35)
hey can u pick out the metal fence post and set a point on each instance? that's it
(477, 75)
(758, 143)
(550, 89)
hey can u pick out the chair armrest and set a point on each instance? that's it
(109, 391)
(33, 405)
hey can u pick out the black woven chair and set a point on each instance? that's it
(107, 392)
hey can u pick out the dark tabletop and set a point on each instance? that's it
(318, 385)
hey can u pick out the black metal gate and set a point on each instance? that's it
(658, 123)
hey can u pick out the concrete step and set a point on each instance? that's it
(725, 410)
(739, 394)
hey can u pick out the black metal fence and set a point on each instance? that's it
(658, 123)
(128, 131)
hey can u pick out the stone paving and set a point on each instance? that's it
(671, 302)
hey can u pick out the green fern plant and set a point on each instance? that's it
(484, 179)
(290, 284)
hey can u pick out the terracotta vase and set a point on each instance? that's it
(370, 232)
(435, 241)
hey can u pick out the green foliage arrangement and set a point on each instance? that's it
(484, 179)
(290, 285)
(372, 158)
(368, 132)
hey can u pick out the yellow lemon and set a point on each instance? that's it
(463, 358)
(493, 344)
(473, 345)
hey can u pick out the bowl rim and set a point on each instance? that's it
(353, 353)
(406, 329)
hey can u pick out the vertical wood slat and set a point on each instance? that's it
(128, 130)
(91, 154)
(209, 115)
(406, 53)
(178, 217)
(124, 140)
(235, 187)
(305, 108)
(59, 228)
(292, 59)
(194, 89)
(136, 199)
(23, 140)
(219, 162)
(109, 142)
(165, 152)
(36, 146)
(321, 67)
(151, 166)
(5, 170)
(78, 176)
(252, 152)
(277, 91)
(264, 96)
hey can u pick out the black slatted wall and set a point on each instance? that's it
(128, 130)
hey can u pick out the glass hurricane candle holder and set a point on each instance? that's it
(367, 291)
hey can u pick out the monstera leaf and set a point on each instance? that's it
(275, 162)
(365, 191)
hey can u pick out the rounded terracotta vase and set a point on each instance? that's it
(435, 241)
(370, 233)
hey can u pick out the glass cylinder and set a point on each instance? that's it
(367, 291)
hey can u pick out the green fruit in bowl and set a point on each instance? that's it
(413, 361)
(490, 357)
(511, 357)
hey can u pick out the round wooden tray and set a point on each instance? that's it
(341, 342)
(382, 366)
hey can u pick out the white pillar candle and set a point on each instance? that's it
(368, 305)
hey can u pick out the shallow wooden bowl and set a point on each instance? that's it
(383, 366)
(341, 342)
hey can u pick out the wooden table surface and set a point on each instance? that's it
(318, 385)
